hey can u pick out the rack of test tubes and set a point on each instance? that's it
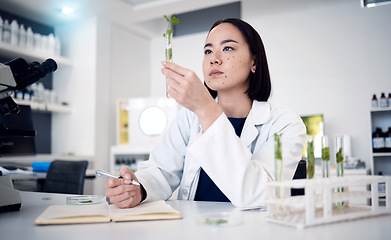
(328, 200)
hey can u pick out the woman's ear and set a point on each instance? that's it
(253, 68)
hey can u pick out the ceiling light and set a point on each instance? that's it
(66, 10)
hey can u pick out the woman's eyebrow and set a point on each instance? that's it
(228, 41)
(221, 43)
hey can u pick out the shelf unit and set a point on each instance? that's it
(380, 161)
(12, 51)
(44, 107)
(319, 205)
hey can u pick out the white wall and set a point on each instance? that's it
(77, 86)
(129, 70)
(325, 57)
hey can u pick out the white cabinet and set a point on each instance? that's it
(380, 161)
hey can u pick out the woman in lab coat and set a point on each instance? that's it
(220, 147)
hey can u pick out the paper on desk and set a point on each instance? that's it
(71, 214)
(145, 211)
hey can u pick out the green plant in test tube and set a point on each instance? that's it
(340, 165)
(310, 157)
(278, 160)
(173, 20)
(325, 157)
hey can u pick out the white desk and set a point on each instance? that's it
(19, 225)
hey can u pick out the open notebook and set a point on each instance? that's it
(99, 213)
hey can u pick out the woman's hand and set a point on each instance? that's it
(187, 89)
(120, 192)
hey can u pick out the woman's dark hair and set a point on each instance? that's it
(260, 84)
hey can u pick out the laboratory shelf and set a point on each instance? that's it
(44, 107)
(31, 55)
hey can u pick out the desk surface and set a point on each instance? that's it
(19, 225)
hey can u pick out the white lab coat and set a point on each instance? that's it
(240, 167)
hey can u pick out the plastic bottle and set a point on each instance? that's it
(29, 38)
(1, 28)
(57, 46)
(383, 101)
(22, 36)
(51, 44)
(387, 140)
(37, 41)
(14, 32)
(6, 32)
(378, 140)
(374, 101)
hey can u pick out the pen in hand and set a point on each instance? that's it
(101, 173)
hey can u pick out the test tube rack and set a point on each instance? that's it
(324, 202)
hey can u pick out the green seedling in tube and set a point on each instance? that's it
(326, 154)
(310, 158)
(326, 161)
(278, 160)
(173, 20)
(340, 167)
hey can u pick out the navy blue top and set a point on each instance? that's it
(207, 189)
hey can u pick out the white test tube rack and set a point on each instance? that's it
(319, 204)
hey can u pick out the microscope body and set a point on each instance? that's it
(17, 74)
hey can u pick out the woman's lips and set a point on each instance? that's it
(215, 73)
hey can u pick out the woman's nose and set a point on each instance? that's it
(215, 60)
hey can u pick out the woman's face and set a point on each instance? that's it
(227, 60)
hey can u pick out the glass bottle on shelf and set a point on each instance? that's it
(378, 140)
(387, 140)
(389, 100)
(310, 157)
(325, 157)
(374, 101)
(383, 100)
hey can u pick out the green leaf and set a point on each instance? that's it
(174, 20)
(326, 154)
(339, 156)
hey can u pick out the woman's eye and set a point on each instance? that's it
(228, 49)
(207, 51)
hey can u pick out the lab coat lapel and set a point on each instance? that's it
(258, 115)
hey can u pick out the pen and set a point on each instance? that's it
(101, 173)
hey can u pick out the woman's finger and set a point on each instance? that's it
(175, 68)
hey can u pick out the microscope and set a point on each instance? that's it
(15, 75)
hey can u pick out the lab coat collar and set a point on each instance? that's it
(259, 114)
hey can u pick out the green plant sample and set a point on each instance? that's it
(339, 156)
(326, 154)
(173, 20)
(310, 159)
